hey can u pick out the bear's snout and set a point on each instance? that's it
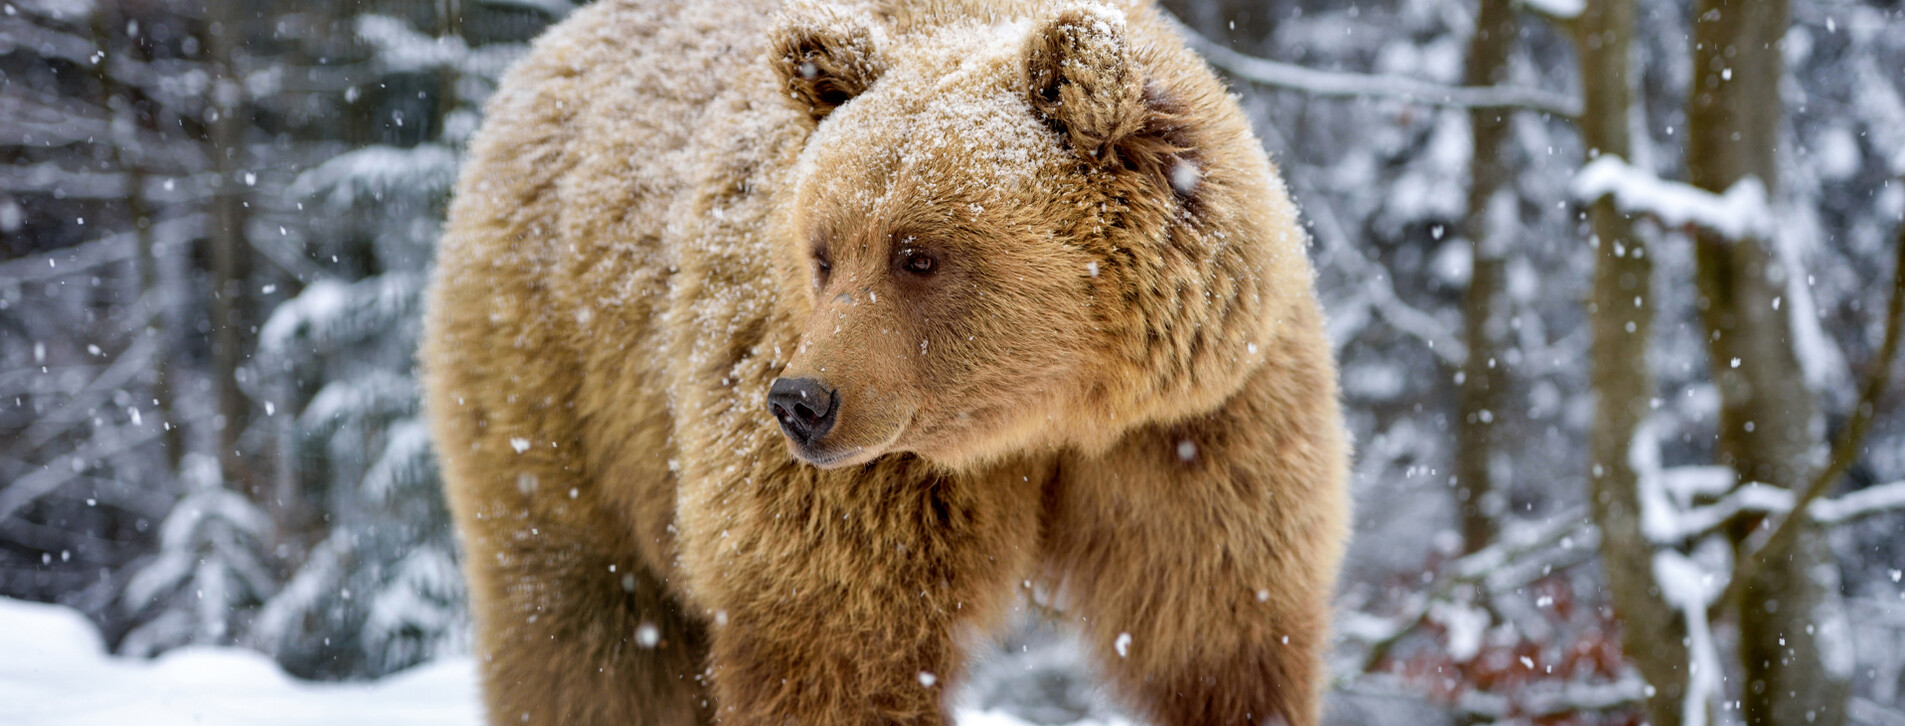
(805, 407)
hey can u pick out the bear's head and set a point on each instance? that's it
(1012, 233)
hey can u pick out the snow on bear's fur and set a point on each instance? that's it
(774, 349)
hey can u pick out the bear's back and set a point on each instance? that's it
(597, 135)
(582, 199)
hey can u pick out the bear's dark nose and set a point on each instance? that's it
(804, 406)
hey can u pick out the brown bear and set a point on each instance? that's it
(774, 352)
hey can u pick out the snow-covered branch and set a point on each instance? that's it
(1868, 711)
(52, 178)
(172, 82)
(1846, 449)
(1547, 700)
(1669, 518)
(1563, 10)
(329, 312)
(1864, 502)
(1379, 294)
(1484, 567)
(1335, 83)
(424, 170)
(1741, 213)
(554, 8)
(106, 250)
(401, 49)
(1762, 499)
(35, 121)
(85, 401)
(1689, 588)
(26, 489)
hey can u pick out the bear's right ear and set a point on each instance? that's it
(824, 58)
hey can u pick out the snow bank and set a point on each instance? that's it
(54, 671)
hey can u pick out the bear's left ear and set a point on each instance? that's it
(1081, 78)
(824, 57)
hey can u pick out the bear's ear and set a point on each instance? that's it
(824, 58)
(1081, 78)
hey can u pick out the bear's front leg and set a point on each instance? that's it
(843, 597)
(1200, 557)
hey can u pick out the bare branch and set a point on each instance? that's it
(1542, 700)
(1332, 83)
(26, 489)
(51, 178)
(1868, 711)
(1846, 450)
(106, 250)
(1379, 292)
(85, 401)
(1476, 568)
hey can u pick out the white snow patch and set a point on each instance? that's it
(1741, 213)
(1465, 625)
(1838, 153)
(1185, 177)
(1453, 262)
(1561, 9)
(55, 672)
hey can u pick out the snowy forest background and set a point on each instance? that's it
(1610, 285)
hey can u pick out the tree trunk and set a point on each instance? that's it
(158, 318)
(122, 108)
(1491, 200)
(232, 318)
(1769, 430)
(1654, 633)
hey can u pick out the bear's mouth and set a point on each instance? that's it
(821, 455)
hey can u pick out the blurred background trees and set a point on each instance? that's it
(218, 220)
(1609, 281)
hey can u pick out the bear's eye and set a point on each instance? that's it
(917, 262)
(822, 268)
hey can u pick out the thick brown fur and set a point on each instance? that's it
(1109, 374)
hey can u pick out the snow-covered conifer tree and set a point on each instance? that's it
(380, 589)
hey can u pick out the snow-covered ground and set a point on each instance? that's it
(55, 671)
